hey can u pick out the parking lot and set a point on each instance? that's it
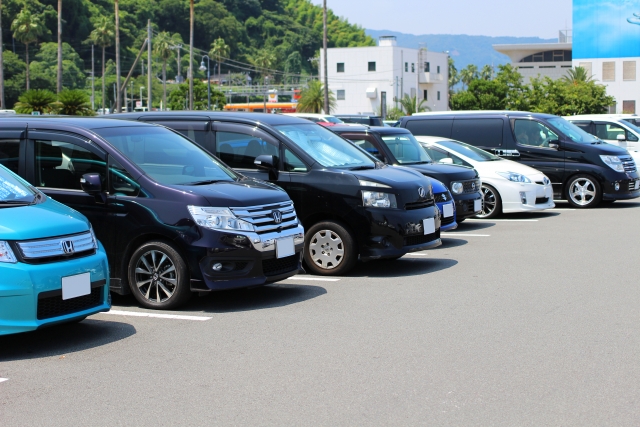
(522, 320)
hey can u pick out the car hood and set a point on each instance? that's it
(46, 219)
(489, 169)
(404, 182)
(603, 149)
(244, 192)
(445, 173)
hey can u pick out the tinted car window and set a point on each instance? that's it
(438, 154)
(406, 149)
(292, 163)
(194, 130)
(9, 152)
(478, 132)
(469, 151)
(366, 146)
(533, 133)
(571, 131)
(62, 164)
(431, 127)
(120, 181)
(239, 150)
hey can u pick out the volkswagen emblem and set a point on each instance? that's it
(67, 246)
(277, 216)
(422, 193)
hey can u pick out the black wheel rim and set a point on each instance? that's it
(155, 276)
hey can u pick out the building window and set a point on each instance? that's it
(549, 56)
(413, 67)
(438, 69)
(628, 70)
(340, 94)
(628, 107)
(609, 71)
(406, 67)
(438, 95)
(424, 94)
(372, 66)
(588, 67)
(427, 67)
(340, 67)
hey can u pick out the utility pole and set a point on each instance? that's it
(1, 64)
(149, 73)
(191, 56)
(324, 50)
(118, 97)
(59, 85)
(93, 80)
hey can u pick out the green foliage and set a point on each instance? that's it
(312, 99)
(74, 102)
(44, 67)
(178, 98)
(577, 75)
(104, 32)
(408, 104)
(40, 100)
(14, 77)
(27, 27)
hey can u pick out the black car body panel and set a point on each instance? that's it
(319, 193)
(361, 119)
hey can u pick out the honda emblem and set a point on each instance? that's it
(277, 216)
(67, 246)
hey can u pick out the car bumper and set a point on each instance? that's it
(626, 190)
(246, 260)
(447, 223)
(31, 294)
(466, 205)
(524, 197)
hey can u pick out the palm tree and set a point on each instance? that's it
(219, 50)
(26, 29)
(468, 74)
(163, 48)
(103, 35)
(577, 75)
(408, 104)
(191, 19)
(1, 64)
(487, 72)
(117, 31)
(263, 60)
(312, 99)
(75, 102)
(59, 79)
(40, 100)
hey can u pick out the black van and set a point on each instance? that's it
(172, 218)
(397, 146)
(583, 169)
(352, 206)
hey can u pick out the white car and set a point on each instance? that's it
(507, 186)
(615, 129)
(322, 119)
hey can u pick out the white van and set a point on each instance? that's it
(615, 129)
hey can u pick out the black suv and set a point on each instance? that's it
(352, 206)
(361, 119)
(397, 146)
(171, 217)
(583, 169)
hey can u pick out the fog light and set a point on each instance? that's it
(617, 186)
(523, 197)
(216, 267)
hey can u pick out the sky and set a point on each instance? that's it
(517, 18)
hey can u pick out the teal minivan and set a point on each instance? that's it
(52, 268)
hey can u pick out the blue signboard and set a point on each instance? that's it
(606, 29)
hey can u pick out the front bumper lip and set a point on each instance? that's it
(510, 194)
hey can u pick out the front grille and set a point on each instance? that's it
(446, 221)
(420, 239)
(628, 163)
(57, 248)
(465, 206)
(262, 216)
(418, 205)
(54, 306)
(442, 197)
(471, 186)
(542, 200)
(632, 185)
(276, 266)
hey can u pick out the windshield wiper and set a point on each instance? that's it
(416, 163)
(361, 168)
(210, 181)
(13, 202)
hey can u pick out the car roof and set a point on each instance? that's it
(481, 113)
(602, 116)
(62, 121)
(356, 116)
(270, 119)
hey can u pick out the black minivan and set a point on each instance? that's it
(583, 169)
(351, 205)
(397, 146)
(172, 218)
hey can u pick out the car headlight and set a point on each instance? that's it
(218, 218)
(374, 199)
(515, 177)
(364, 183)
(93, 237)
(6, 254)
(613, 162)
(457, 187)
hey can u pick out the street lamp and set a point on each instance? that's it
(202, 68)
(141, 100)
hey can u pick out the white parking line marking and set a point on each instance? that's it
(415, 255)
(159, 316)
(563, 209)
(503, 220)
(3, 379)
(317, 279)
(466, 235)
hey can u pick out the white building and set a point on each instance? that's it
(363, 78)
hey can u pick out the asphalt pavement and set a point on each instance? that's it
(526, 320)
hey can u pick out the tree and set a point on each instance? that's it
(408, 104)
(179, 98)
(577, 75)
(26, 29)
(40, 100)
(468, 74)
(103, 36)
(486, 73)
(454, 76)
(191, 19)
(119, 88)
(312, 99)
(2, 104)
(59, 67)
(219, 50)
(43, 69)
(74, 102)
(293, 67)
(163, 47)
(263, 60)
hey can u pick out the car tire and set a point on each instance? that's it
(330, 249)
(491, 202)
(583, 191)
(158, 276)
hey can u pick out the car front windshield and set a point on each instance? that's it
(13, 191)
(165, 156)
(406, 149)
(469, 151)
(572, 131)
(326, 147)
(632, 126)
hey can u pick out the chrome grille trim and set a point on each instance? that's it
(628, 163)
(466, 185)
(52, 247)
(263, 222)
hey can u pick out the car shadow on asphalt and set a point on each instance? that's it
(530, 215)
(405, 266)
(63, 339)
(468, 226)
(619, 204)
(450, 242)
(269, 296)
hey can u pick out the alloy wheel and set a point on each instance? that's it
(326, 249)
(582, 191)
(489, 202)
(155, 276)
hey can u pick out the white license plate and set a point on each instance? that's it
(285, 247)
(76, 286)
(477, 205)
(447, 210)
(429, 225)
(636, 185)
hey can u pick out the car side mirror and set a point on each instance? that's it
(446, 161)
(91, 183)
(268, 163)
(621, 137)
(555, 144)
